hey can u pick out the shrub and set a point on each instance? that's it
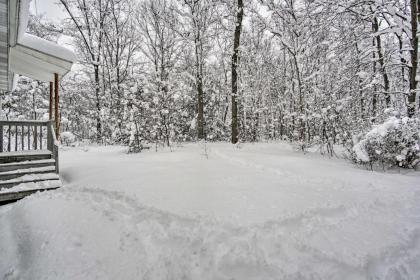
(67, 138)
(396, 142)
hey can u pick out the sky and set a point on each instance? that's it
(49, 8)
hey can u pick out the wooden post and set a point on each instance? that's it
(35, 137)
(49, 136)
(56, 114)
(1, 138)
(51, 101)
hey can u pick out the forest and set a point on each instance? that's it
(209, 139)
(315, 73)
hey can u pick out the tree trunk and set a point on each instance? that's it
(411, 106)
(200, 107)
(236, 43)
(382, 62)
(98, 105)
(199, 81)
(374, 95)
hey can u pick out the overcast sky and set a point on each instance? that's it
(50, 8)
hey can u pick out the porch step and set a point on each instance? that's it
(25, 189)
(27, 171)
(11, 166)
(6, 184)
(8, 175)
(25, 156)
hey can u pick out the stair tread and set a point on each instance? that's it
(25, 189)
(29, 170)
(30, 178)
(25, 153)
(28, 162)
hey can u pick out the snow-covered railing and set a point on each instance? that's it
(23, 135)
(52, 143)
(28, 135)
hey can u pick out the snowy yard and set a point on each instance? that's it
(259, 212)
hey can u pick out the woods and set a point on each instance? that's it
(309, 72)
(209, 139)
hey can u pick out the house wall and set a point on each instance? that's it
(3, 44)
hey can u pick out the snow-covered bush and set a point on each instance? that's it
(135, 145)
(396, 142)
(67, 138)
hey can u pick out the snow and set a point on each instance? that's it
(23, 17)
(214, 211)
(67, 137)
(28, 161)
(30, 152)
(361, 153)
(395, 139)
(28, 170)
(30, 177)
(383, 129)
(32, 186)
(47, 47)
(37, 43)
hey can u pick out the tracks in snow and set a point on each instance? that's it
(199, 248)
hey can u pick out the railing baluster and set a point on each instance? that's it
(8, 144)
(36, 137)
(40, 136)
(16, 133)
(49, 140)
(21, 138)
(29, 137)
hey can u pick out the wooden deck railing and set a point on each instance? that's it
(28, 135)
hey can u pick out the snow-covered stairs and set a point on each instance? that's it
(23, 173)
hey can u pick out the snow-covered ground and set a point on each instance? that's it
(260, 211)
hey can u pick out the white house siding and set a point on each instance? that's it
(3, 45)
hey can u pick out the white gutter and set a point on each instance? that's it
(18, 20)
(30, 55)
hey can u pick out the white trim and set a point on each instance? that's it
(37, 65)
(13, 21)
(29, 55)
(47, 47)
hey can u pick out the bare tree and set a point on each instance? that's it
(235, 59)
(89, 18)
(158, 24)
(121, 43)
(200, 16)
(414, 57)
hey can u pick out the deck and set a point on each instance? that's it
(28, 159)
